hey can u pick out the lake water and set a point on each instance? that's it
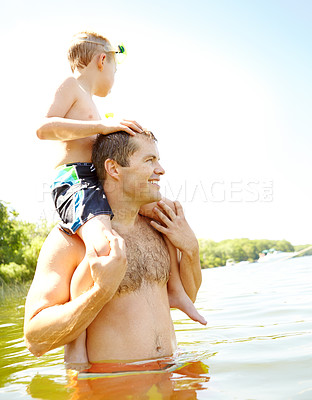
(257, 345)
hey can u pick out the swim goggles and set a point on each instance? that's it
(120, 53)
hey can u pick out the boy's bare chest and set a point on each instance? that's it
(148, 259)
(78, 150)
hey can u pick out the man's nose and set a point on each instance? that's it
(159, 170)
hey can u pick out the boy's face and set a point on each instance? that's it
(107, 75)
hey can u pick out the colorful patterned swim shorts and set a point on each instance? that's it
(78, 195)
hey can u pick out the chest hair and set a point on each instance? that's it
(147, 256)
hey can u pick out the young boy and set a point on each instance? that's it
(73, 122)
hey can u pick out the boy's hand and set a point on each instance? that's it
(175, 226)
(112, 125)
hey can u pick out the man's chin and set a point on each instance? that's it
(158, 197)
(154, 198)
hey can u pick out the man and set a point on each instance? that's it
(124, 305)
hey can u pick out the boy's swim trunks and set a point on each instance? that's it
(78, 195)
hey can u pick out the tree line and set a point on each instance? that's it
(20, 244)
(215, 254)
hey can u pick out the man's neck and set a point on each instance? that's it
(125, 210)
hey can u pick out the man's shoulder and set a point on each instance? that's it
(59, 245)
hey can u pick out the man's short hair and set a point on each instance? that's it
(84, 46)
(118, 146)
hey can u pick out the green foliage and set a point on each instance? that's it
(14, 273)
(35, 235)
(302, 247)
(214, 254)
(11, 236)
(20, 244)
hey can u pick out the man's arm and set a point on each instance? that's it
(178, 231)
(57, 127)
(51, 319)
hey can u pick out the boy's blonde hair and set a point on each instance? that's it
(84, 46)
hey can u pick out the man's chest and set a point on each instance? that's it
(148, 259)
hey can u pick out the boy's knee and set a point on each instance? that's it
(93, 233)
(102, 247)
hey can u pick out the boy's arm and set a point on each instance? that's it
(51, 319)
(178, 231)
(57, 127)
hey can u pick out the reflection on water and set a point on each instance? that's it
(181, 384)
(257, 345)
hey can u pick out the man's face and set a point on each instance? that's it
(141, 178)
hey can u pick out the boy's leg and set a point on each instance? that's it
(93, 234)
(77, 194)
(176, 293)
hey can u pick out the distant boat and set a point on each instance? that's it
(230, 262)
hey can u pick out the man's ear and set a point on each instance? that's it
(112, 168)
(100, 61)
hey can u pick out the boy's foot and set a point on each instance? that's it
(194, 314)
(185, 304)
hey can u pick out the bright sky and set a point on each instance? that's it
(225, 86)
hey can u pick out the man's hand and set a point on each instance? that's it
(108, 271)
(112, 125)
(175, 227)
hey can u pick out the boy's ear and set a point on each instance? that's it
(112, 168)
(100, 61)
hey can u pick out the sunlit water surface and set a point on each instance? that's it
(257, 345)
